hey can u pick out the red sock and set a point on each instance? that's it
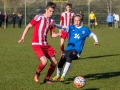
(40, 67)
(62, 48)
(50, 71)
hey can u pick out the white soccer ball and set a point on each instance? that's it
(79, 82)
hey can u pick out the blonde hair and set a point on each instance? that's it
(77, 15)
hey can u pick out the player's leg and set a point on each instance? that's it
(50, 53)
(50, 70)
(111, 25)
(91, 23)
(59, 68)
(62, 40)
(71, 55)
(38, 51)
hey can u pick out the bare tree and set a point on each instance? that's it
(109, 5)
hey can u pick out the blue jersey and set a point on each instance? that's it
(77, 37)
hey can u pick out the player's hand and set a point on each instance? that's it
(59, 34)
(96, 43)
(21, 41)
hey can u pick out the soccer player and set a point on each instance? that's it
(77, 36)
(92, 19)
(65, 20)
(42, 23)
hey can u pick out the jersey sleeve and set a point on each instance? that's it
(52, 28)
(94, 37)
(65, 28)
(88, 32)
(35, 20)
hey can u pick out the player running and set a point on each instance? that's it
(77, 36)
(42, 23)
(65, 20)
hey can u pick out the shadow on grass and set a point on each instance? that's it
(101, 56)
(96, 76)
(102, 75)
(92, 89)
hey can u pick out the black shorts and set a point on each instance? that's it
(70, 55)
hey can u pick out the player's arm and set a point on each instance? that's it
(56, 35)
(24, 33)
(95, 38)
(65, 28)
(52, 32)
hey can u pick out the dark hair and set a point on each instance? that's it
(68, 4)
(51, 5)
(77, 15)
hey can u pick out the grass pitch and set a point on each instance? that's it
(100, 65)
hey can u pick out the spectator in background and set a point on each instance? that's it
(1, 19)
(20, 17)
(6, 19)
(92, 19)
(110, 20)
(82, 17)
(13, 18)
(116, 19)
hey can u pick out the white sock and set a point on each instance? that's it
(59, 70)
(66, 68)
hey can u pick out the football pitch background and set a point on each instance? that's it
(100, 65)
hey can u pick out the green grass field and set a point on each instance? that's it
(100, 65)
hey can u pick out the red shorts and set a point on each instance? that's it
(47, 51)
(64, 34)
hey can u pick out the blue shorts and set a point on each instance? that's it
(92, 21)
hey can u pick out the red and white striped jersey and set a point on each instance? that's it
(41, 27)
(66, 18)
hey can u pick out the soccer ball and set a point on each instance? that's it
(79, 82)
